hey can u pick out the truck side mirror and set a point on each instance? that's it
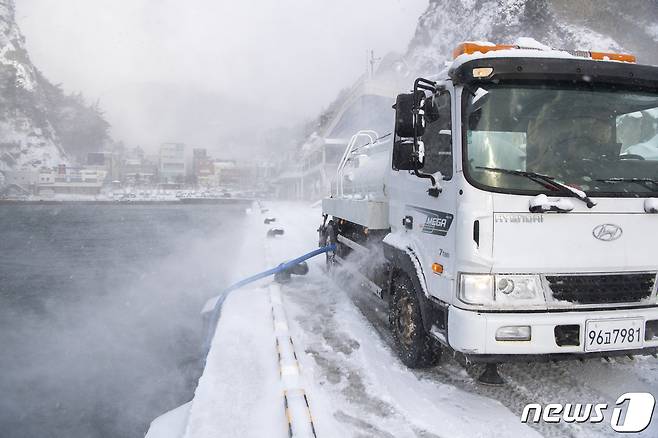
(405, 157)
(409, 118)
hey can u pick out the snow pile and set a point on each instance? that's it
(541, 203)
(170, 425)
(240, 391)
(651, 205)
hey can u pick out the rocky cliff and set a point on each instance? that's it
(40, 125)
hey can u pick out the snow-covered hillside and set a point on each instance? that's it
(27, 137)
(579, 24)
(40, 124)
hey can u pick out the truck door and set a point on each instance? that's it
(433, 225)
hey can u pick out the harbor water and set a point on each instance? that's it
(100, 329)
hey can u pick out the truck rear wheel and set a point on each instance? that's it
(414, 345)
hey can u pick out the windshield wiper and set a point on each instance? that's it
(644, 182)
(546, 179)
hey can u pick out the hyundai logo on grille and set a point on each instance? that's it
(607, 232)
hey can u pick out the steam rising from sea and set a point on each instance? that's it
(100, 329)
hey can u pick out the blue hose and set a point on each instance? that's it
(217, 309)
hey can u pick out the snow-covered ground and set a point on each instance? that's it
(355, 385)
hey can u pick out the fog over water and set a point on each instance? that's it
(99, 313)
(99, 305)
(215, 74)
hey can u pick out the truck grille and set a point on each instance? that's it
(602, 289)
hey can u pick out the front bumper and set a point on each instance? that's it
(474, 333)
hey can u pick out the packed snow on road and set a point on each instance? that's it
(345, 379)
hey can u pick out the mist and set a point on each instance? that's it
(101, 313)
(101, 305)
(210, 73)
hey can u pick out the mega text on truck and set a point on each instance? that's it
(516, 206)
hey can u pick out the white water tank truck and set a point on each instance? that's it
(516, 207)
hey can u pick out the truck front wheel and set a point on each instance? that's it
(414, 345)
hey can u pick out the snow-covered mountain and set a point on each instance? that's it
(40, 125)
(27, 137)
(629, 26)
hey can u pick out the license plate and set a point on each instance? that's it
(614, 334)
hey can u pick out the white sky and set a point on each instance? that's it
(172, 70)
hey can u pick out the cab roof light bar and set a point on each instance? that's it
(470, 48)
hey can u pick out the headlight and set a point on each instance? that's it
(518, 290)
(501, 290)
(476, 289)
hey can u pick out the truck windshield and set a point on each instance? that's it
(601, 141)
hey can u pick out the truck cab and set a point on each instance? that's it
(521, 208)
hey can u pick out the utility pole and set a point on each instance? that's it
(372, 60)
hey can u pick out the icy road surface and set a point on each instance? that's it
(355, 384)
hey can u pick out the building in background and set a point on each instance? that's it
(199, 158)
(27, 179)
(203, 169)
(47, 181)
(107, 162)
(171, 168)
(70, 180)
(225, 174)
(310, 171)
(138, 168)
(241, 176)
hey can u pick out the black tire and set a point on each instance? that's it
(414, 345)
